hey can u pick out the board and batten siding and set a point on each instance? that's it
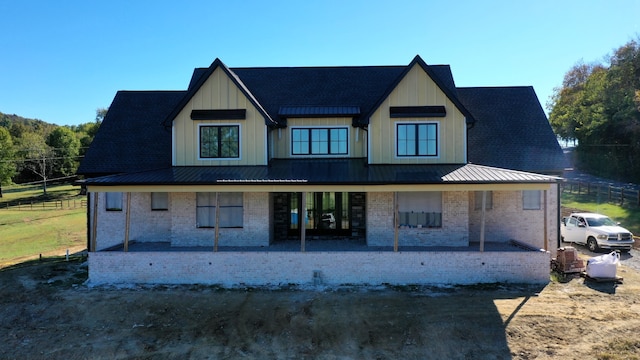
(417, 89)
(219, 92)
(282, 137)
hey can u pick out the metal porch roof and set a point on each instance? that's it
(324, 172)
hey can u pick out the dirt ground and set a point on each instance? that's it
(47, 312)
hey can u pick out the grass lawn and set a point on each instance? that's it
(627, 215)
(60, 192)
(28, 233)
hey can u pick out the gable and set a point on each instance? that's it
(418, 98)
(219, 100)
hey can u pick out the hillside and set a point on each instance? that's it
(34, 125)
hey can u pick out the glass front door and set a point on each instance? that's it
(325, 213)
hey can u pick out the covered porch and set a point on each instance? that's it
(376, 238)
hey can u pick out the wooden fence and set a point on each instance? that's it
(44, 205)
(608, 193)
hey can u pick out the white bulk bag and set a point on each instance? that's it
(603, 266)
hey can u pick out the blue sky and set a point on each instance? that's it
(61, 60)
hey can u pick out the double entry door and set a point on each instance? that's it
(322, 213)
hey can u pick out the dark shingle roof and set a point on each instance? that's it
(511, 131)
(324, 172)
(360, 86)
(131, 136)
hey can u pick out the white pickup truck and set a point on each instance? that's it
(596, 231)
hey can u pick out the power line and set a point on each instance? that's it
(39, 159)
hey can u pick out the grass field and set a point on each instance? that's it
(627, 215)
(25, 234)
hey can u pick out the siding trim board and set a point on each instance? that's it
(225, 114)
(417, 111)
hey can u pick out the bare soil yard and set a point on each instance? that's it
(47, 312)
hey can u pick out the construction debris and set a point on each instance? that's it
(567, 261)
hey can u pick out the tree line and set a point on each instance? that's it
(36, 151)
(598, 107)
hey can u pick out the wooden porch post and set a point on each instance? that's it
(546, 236)
(127, 223)
(395, 221)
(94, 225)
(302, 220)
(484, 210)
(216, 232)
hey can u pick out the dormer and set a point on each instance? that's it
(218, 122)
(419, 121)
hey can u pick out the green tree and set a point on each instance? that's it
(599, 105)
(7, 161)
(66, 147)
(36, 156)
(87, 131)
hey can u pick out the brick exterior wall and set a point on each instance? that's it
(334, 268)
(454, 230)
(508, 221)
(254, 231)
(145, 224)
(178, 224)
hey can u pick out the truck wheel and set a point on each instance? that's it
(592, 244)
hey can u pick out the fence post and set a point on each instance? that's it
(621, 196)
(609, 192)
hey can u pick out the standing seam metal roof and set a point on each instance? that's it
(329, 172)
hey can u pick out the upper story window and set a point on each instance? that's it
(219, 141)
(319, 141)
(417, 139)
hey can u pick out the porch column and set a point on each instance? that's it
(127, 223)
(216, 230)
(395, 221)
(94, 225)
(302, 220)
(484, 210)
(546, 239)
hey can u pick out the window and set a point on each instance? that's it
(417, 139)
(231, 210)
(319, 141)
(220, 142)
(531, 200)
(323, 211)
(159, 201)
(114, 201)
(488, 200)
(420, 209)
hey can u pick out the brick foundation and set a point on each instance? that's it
(335, 268)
